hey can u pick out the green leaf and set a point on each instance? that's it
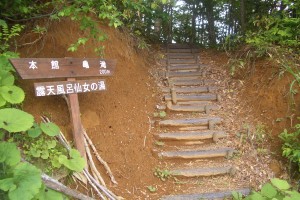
(50, 128)
(256, 196)
(162, 114)
(25, 183)
(6, 78)
(75, 163)
(237, 195)
(14, 120)
(51, 144)
(34, 132)
(9, 153)
(12, 94)
(2, 101)
(48, 194)
(268, 191)
(280, 184)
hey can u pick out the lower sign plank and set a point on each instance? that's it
(69, 87)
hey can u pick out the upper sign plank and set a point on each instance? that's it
(35, 68)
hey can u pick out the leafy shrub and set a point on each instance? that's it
(19, 179)
(277, 189)
(291, 145)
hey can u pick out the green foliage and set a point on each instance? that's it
(18, 179)
(75, 162)
(152, 188)
(45, 152)
(7, 34)
(14, 120)
(50, 128)
(291, 145)
(162, 174)
(277, 189)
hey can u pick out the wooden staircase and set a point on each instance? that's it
(187, 90)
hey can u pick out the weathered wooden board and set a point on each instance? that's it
(181, 56)
(189, 122)
(69, 87)
(182, 61)
(186, 67)
(199, 89)
(191, 82)
(197, 135)
(197, 172)
(207, 196)
(182, 74)
(199, 97)
(194, 154)
(35, 68)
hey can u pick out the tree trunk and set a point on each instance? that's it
(209, 5)
(243, 15)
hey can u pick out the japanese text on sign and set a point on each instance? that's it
(69, 87)
(35, 68)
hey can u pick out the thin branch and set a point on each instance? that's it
(112, 178)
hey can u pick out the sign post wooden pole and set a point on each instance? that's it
(76, 122)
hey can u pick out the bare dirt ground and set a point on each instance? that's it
(119, 120)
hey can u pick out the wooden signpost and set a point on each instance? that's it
(70, 68)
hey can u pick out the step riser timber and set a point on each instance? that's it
(203, 97)
(200, 154)
(180, 61)
(190, 108)
(190, 122)
(205, 89)
(182, 74)
(183, 136)
(195, 67)
(203, 172)
(192, 82)
(206, 196)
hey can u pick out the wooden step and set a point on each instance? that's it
(207, 196)
(192, 108)
(182, 61)
(181, 56)
(197, 135)
(176, 50)
(179, 46)
(190, 122)
(186, 67)
(191, 82)
(210, 171)
(199, 97)
(199, 89)
(180, 74)
(197, 154)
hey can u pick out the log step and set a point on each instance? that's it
(199, 89)
(179, 46)
(180, 74)
(207, 196)
(197, 154)
(190, 122)
(186, 67)
(199, 135)
(200, 97)
(197, 172)
(192, 108)
(182, 61)
(174, 50)
(181, 56)
(191, 82)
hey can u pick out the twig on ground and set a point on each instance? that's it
(107, 168)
